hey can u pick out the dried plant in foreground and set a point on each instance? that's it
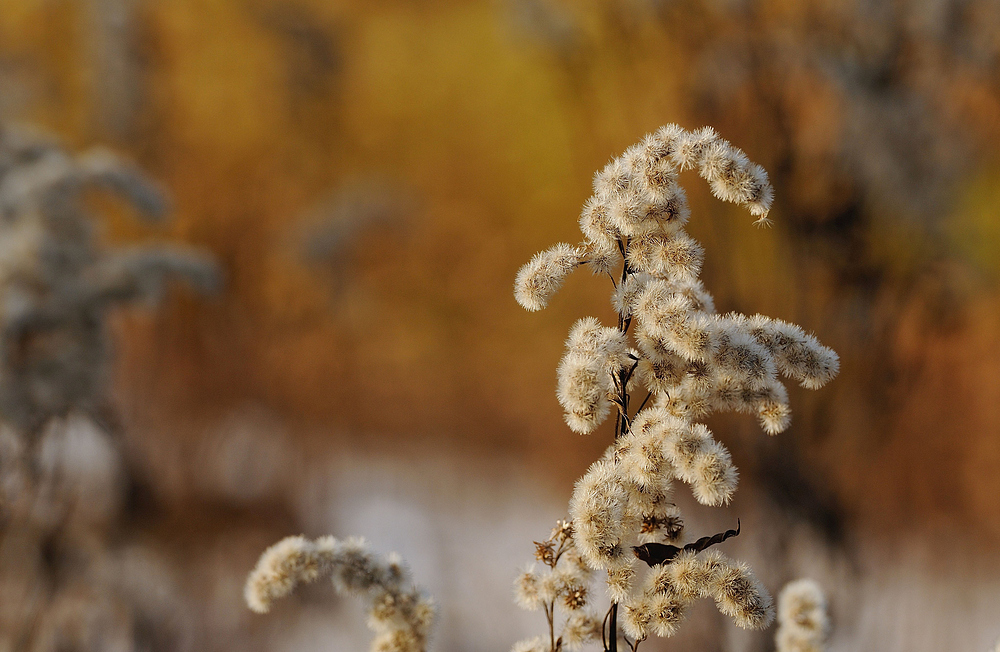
(399, 614)
(689, 361)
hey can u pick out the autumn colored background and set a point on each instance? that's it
(370, 175)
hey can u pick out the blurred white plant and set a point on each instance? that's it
(400, 615)
(62, 472)
(57, 283)
(690, 360)
(802, 621)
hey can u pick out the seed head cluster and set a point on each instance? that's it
(400, 615)
(560, 586)
(802, 621)
(670, 589)
(688, 360)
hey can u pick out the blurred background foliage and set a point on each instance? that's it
(370, 175)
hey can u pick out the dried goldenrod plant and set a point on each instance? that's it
(689, 361)
(400, 615)
(63, 585)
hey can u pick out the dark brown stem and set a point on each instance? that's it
(623, 323)
(622, 423)
(613, 641)
(628, 374)
(644, 401)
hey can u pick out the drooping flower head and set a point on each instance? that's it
(399, 614)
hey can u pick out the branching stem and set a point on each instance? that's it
(609, 630)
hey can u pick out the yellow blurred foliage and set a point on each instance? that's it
(251, 111)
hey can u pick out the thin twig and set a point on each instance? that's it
(631, 371)
(549, 608)
(644, 401)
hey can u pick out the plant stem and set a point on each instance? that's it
(644, 401)
(549, 609)
(613, 635)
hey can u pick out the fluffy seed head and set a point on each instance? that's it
(594, 353)
(542, 277)
(624, 296)
(715, 475)
(797, 355)
(399, 615)
(695, 292)
(355, 570)
(615, 180)
(683, 444)
(720, 159)
(637, 617)
(662, 376)
(397, 641)
(595, 223)
(740, 596)
(627, 213)
(691, 147)
(574, 597)
(694, 576)
(530, 645)
(620, 582)
(773, 410)
(666, 138)
(600, 258)
(581, 628)
(802, 621)
(640, 456)
(691, 336)
(550, 587)
(527, 591)
(583, 391)
(589, 337)
(668, 611)
(598, 509)
(740, 355)
(659, 308)
(281, 568)
(693, 362)
(676, 257)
